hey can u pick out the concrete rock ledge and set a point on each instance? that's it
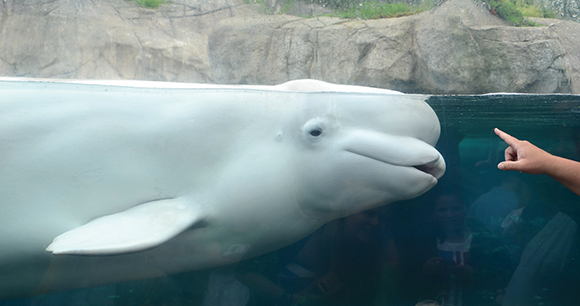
(456, 48)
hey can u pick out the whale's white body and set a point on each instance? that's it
(141, 179)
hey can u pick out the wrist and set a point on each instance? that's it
(555, 166)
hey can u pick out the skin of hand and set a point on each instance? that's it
(525, 157)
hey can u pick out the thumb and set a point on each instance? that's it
(507, 166)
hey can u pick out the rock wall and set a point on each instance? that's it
(562, 9)
(108, 39)
(459, 47)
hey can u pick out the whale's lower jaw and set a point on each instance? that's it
(416, 153)
(435, 168)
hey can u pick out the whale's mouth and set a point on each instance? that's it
(402, 151)
(435, 168)
(425, 168)
(397, 151)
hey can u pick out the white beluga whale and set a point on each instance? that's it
(110, 181)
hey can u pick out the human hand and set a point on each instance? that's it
(523, 156)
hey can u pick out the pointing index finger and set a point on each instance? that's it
(509, 139)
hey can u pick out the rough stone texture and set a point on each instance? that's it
(568, 34)
(463, 49)
(296, 8)
(459, 47)
(111, 39)
(376, 53)
(562, 9)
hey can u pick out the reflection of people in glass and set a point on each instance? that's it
(466, 264)
(337, 265)
(525, 157)
(492, 207)
(548, 271)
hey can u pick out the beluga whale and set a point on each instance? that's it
(110, 181)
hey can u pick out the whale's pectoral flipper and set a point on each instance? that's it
(138, 228)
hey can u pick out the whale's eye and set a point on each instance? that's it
(316, 129)
(316, 132)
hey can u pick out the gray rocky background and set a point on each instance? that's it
(457, 48)
(563, 9)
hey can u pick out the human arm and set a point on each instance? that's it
(525, 157)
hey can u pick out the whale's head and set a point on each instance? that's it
(362, 150)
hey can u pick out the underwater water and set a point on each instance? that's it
(379, 257)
